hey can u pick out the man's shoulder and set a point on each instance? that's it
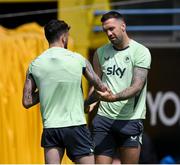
(137, 45)
(39, 57)
(78, 55)
(104, 48)
(105, 45)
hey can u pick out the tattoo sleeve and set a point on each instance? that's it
(30, 92)
(138, 81)
(93, 78)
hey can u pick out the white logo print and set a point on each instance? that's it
(140, 139)
(133, 138)
(91, 150)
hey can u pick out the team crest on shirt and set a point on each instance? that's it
(126, 59)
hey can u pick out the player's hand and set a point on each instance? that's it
(105, 88)
(89, 108)
(107, 96)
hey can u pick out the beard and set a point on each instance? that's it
(117, 40)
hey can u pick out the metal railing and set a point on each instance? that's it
(144, 12)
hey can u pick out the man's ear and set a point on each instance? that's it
(63, 38)
(123, 27)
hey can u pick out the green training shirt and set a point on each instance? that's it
(57, 73)
(117, 68)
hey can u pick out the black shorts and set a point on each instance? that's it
(76, 140)
(110, 134)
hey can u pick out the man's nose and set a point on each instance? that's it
(109, 33)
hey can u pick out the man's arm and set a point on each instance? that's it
(138, 81)
(93, 78)
(96, 65)
(30, 95)
(93, 98)
(95, 82)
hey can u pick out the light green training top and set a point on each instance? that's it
(57, 73)
(117, 68)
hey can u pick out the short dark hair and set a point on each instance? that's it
(111, 14)
(54, 29)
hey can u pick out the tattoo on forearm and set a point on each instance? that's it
(28, 91)
(93, 78)
(125, 94)
(31, 96)
(140, 73)
(139, 78)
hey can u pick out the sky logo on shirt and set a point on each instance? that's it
(116, 71)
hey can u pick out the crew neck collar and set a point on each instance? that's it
(122, 48)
